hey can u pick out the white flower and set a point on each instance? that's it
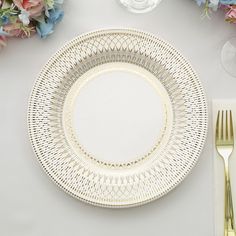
(214, 4)
(24, 17)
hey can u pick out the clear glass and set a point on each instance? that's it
(140, 6)
(228, 56)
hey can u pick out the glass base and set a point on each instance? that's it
(139, 6)
(228, 56)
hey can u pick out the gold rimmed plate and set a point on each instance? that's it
(117, 118)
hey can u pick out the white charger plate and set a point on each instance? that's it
(117, 118)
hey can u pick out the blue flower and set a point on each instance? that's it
(58, 2)
(5, 20)
(55, 15)
(228, 2)
(2, 32)
(213, 4)
(44, 29)
(200, 2)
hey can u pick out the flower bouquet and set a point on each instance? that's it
(228, 52)
(23, 18)
(229, 6)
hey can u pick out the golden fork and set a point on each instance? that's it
(224, 140)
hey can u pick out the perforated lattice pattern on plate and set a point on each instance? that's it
(106, 185)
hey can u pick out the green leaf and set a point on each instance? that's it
(27, 30)
(39, 19)
(13, 19)
(49, 3)
(6, 4)
(8, 12)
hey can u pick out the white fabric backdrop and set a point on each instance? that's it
(30, 203)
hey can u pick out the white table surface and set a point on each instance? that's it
(30, 203)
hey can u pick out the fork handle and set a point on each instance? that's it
(229, 210)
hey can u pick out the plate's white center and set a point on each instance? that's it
(118, 116)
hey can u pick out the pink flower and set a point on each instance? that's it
(12, 29)
(33, 7)
(3, 40)
(230, 13)
(16, 30)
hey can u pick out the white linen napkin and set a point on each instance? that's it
(219, 168)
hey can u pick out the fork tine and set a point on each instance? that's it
(231, 126)
(222, 126)
(227, 126)
(218, 125)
